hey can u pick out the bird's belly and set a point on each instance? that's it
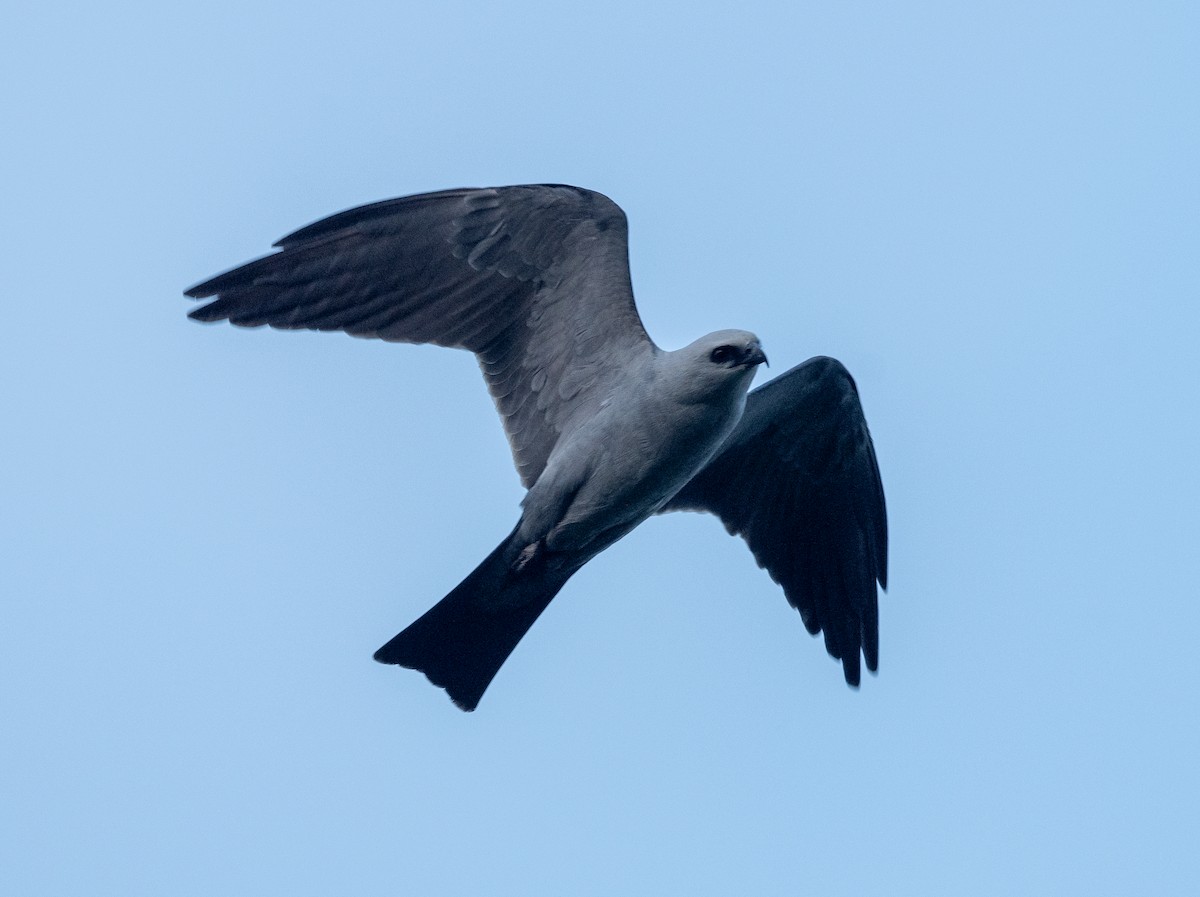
(631, 480)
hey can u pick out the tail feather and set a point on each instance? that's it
(462, 641)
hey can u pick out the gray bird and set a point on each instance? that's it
(606, 428)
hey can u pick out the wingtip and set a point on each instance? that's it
(204, 288)
(856, 682)
(852, 667)
(203, 315)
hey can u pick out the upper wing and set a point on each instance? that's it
(534, 280)
(798, 480)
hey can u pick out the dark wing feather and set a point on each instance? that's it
(534, 280)
(799, 482)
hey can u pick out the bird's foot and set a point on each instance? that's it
(527, 555)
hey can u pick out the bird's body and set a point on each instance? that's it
(606, 428)
(622, 463)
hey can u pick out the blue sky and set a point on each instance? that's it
(988, 212)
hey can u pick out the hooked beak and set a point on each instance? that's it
(755, 356)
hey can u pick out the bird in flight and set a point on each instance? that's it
(605, 427)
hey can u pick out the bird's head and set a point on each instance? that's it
(718, 365)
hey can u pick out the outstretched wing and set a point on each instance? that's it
(798, 481)
(534, 280)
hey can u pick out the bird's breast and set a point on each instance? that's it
(633, 469)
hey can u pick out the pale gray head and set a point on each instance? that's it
(717, 365)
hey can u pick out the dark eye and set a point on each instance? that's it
(723, 355)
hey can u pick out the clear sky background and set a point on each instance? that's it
(988, 211)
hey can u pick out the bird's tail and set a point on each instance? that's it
(463, 640)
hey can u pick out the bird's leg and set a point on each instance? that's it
(528, 554)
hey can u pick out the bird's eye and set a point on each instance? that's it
(723, 354)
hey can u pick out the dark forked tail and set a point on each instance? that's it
(463, 640)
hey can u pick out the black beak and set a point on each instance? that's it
(755, 356)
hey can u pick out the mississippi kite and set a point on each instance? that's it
(606, 428)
